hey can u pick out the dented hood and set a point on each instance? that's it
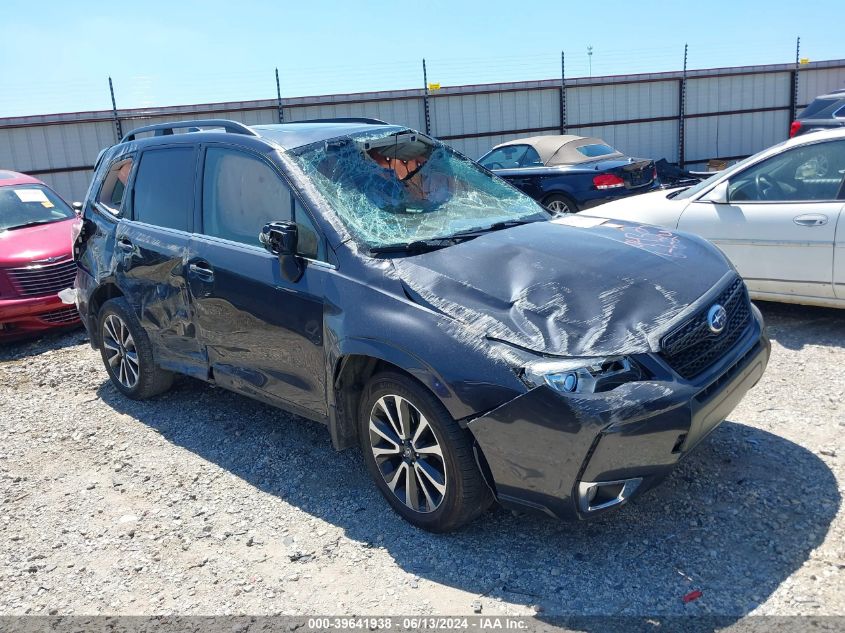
(571, 287)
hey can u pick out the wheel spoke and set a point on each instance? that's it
(434, 449)
(412, 493)
(430, 504)
(109, 326)
(404, 412)
(382, 404)
(422, 427)
(131, 371)
(385, 432)
(430, 473)
(393, 479)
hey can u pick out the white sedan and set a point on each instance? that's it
(778, 215)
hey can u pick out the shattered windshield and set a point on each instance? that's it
(399, 187)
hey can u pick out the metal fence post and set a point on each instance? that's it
(562, 94)
(118, 128)
(279, 98)
(682, 105)
(793, 98)
(425, 101)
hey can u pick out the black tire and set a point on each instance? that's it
(557, 199)
(466, 494)
(150, 380)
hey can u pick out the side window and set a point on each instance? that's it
(507, 157)
(531, 158)
(311, 243)
(164, 188)
(240, 194)
(806, 173)
(114, 186)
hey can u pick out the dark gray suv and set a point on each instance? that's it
(371, 278)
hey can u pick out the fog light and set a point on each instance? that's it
(600, 495)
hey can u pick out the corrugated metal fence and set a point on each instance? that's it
(727, 113)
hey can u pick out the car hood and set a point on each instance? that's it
(571, 287)
(19, 247)
(654, 207)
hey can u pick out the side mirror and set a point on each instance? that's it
(77, 206)
(718, 194)
(282, 239)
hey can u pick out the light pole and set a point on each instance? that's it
(590, 59)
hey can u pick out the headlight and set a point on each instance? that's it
(581, 375)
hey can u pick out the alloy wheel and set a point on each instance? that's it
(558, 206)
(407, 453)
(121, 353)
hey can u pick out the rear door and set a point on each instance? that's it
(779, 225)
(152, 250)
(263, 333)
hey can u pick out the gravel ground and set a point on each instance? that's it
(205, 502)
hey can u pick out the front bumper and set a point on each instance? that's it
(544, 450)
(25, 316)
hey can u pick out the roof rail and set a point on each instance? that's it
(343, 120)
(165, 129)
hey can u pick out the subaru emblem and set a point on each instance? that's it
(717, 319)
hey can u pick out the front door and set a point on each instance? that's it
(152, 250)
(263, 333)
(779, 224)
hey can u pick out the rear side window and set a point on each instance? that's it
(164, 188)
(240, 194)
(816, 107)
(114, 185)
(597, 149)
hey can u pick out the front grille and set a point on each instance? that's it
(47, 279)
(693, 347)
(63, 315)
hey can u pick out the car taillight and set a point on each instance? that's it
(607, 181)
(793, 129)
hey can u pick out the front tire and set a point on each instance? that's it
(128, 354)
(421, 460)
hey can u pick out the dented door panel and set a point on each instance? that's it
(263, 334)
(150, 266)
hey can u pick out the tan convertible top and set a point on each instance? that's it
(560, 149)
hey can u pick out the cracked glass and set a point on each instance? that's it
(399, 186)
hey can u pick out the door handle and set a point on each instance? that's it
(201, 270)
(125, 244)
(810, 219)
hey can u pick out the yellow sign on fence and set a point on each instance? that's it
(804, 60)
(434, 86)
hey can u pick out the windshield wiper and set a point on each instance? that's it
(496, 226)
(417, 246)
(28, 224)
(431, 244)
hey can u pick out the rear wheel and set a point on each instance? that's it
(127, 353)
(560, 204)
(421, 460)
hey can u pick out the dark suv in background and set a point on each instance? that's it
(826, 111)
(369, 277)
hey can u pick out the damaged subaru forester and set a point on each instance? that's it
(369, 277)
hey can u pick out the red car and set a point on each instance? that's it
(35, 257)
